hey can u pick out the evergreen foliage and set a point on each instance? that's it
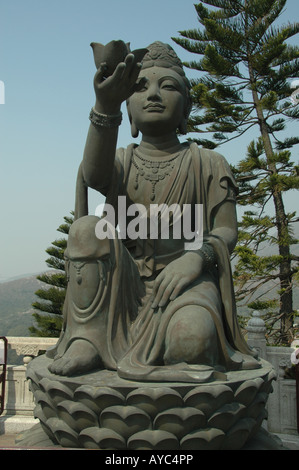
(48, 315)
(246, 68)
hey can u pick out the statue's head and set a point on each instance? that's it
(164, 97)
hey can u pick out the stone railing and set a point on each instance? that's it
(29, 347)
(282, 403)
(282, 407)
(19, 404)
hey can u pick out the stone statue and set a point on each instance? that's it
(149, 308)
(150, 355)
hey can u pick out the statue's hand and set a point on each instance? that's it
(112, 91)
(175, 277)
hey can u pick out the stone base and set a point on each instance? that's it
(36, 437)
(263, 440)
(102, 411)
(290, 441)
(14, 424)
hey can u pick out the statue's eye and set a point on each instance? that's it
(168, 85)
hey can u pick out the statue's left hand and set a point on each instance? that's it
(175, 277)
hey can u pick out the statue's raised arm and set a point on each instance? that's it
(114, 82)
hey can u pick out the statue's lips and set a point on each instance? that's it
(154, 107)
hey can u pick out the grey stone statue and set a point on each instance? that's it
(150, 308)
(150, 355)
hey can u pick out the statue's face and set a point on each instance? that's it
(159, 106)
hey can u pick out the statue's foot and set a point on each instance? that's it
(80, 357)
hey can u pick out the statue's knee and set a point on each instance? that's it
(83, 261)
(191, 337)
(83, 242)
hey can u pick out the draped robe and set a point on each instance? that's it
(126, 331)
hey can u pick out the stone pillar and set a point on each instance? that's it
(19, 403)
(256, 334)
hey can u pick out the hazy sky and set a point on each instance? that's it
(47, 68)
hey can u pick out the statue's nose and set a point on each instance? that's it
(153, 93)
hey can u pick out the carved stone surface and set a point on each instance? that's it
(29, 346)
(101, 411)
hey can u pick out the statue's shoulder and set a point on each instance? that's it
(213, 166)
(120, 153)
(123, 159)
(207, 157)
(123, 154)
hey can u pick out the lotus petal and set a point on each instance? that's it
(101, 438)
(33, 379)
(125, 420)
(267, 385)
(38, 413)
(153, 440)
(257, 406)
(45, 403)
(98, 398)
(207, 439)
(76, 415)
(66, 436)
(247, 391)
(225, 417)
(56, 390)
(180, 421)
(208, 399)
(154, 400)
(237, 436)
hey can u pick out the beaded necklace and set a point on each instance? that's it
(152, 170)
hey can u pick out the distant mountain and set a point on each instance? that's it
(14, 278)
(16, 298)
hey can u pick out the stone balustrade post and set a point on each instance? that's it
(19, 404)
(256, 329)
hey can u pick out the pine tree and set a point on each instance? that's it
(247, 66)
(52, 297)
(258, 268)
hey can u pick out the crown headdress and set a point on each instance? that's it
(162, 55)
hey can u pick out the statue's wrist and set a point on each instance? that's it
(103, 120)
(208, 256)
(109, 108)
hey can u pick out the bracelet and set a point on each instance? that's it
(105, 120)
(208, 255)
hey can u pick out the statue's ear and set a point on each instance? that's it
(134, 129)
(183, 126)
(184, 120)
